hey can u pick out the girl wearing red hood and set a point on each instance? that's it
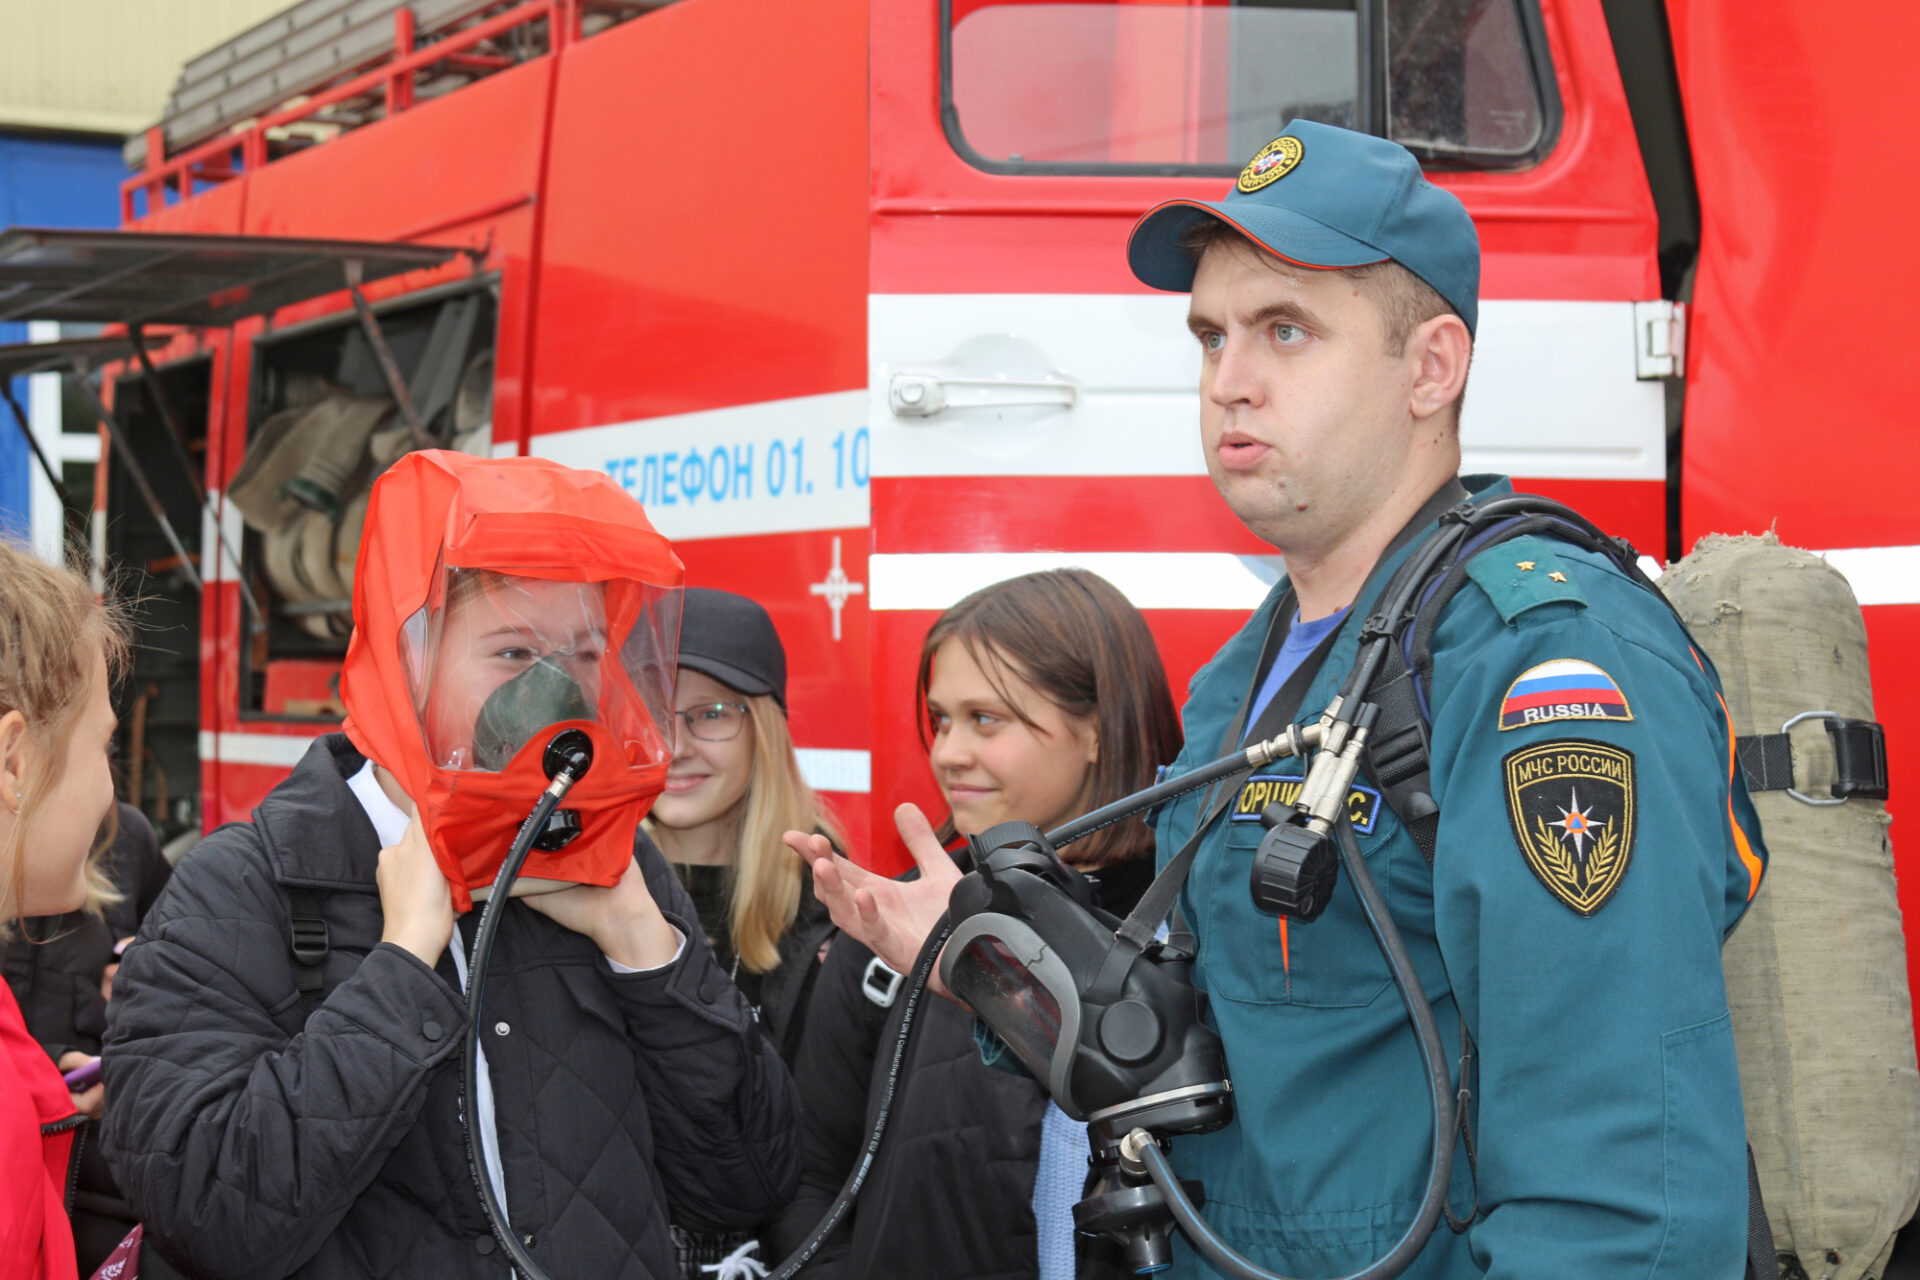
(287, 1038)
(57, 648)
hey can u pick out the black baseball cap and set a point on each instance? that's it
(732, 639)
(1324, 197)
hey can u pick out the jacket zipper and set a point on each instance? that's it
(73, 1122)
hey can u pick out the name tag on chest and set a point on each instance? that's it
(1263, 789)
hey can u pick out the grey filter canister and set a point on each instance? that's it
(541, 695)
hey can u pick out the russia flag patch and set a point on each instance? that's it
(1564, 689)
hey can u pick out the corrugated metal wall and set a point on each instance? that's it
(106, 66)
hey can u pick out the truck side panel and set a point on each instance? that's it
(702, 322)
(1801, 380)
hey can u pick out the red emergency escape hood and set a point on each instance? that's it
(496, 601)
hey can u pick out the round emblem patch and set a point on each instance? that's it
(1274, 162)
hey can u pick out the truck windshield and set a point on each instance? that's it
(1170, 87)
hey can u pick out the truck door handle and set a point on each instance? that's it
(921, 395)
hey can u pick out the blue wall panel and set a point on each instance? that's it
(47, 182)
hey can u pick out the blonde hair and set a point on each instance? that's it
(766, 875)
(50, 629)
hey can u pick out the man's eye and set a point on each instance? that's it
(1288, 334)
(1213, 341)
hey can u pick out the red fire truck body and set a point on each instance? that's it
(839, 292)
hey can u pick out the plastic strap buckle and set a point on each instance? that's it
(310, 940)
(880, 983)
(1859, 758)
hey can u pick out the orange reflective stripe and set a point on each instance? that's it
(1286, 961)
(1741, 845)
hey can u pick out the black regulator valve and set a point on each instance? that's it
(1296, 866)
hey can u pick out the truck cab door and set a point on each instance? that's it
(1032, 405)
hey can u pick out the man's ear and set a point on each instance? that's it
(1443, 348)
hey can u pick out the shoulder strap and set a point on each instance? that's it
(309, 942)
(1398, 759)
(1761, 1259)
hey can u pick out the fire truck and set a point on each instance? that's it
(838, 292)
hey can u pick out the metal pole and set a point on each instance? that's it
(178, 439)
(383, 356)
(139, 477)
(26, 429)
(175, 437)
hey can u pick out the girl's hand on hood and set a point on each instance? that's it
(414, 898)
(622, 919)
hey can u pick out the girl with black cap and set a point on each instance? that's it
(733, 788)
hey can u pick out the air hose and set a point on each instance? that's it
(1439, 1084)
(572, 758)
(916, 988)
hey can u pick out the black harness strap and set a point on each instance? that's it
(309, 941)
(1859, 759)
(1766, 761)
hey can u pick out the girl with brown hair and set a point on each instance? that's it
(58, 652)
(1041, 698)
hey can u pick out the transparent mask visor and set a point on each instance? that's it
(992, 981)
(493, 659)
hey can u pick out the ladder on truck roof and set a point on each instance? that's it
(314, 45)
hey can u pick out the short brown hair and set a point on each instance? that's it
(1403, 299)
(1071, 635)
(50, 629)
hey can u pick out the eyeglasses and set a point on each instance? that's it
(715, 721)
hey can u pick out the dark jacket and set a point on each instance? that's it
(779, 995)
(260, 1143)
(54, 965)
(787, 992)
(950, 1194)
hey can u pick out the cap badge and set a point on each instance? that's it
(1272, 163)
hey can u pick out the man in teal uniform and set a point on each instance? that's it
(1594, 846)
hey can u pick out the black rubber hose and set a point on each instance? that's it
(476, 981)
(1439, 1084)
(1146, 798)
(916, 988)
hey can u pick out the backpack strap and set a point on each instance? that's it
(1762, 1263)
(309, 942)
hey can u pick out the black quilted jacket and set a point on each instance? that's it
(256, 1146)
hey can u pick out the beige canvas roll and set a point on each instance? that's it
(1817, 971)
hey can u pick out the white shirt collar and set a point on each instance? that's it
(389, 823)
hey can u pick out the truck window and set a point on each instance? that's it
(1173, 88)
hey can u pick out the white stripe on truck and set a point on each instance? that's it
(824, 770)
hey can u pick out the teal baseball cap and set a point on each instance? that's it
(1324, 197)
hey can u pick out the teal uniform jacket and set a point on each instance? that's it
(1595, 849)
